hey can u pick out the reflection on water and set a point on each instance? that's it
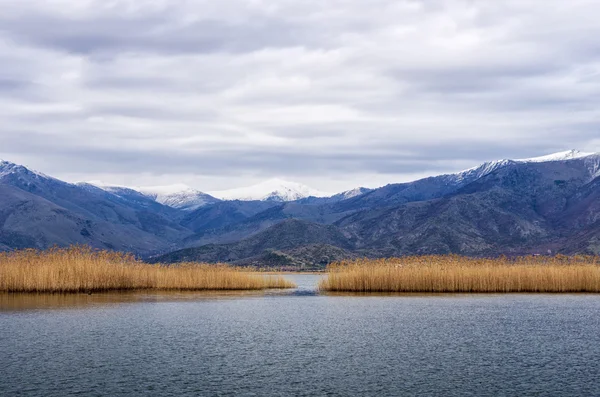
(306, 285)
(64, 301)
(298, 343)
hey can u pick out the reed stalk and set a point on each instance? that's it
(81, 269)
(456, 274)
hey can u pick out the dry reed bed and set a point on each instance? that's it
(80, 269)
(448, 274)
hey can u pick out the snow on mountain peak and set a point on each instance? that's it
(102, 185)
(166, 189)
(489, 167)
(271, 190)
(560, 156)
(352, 193)
(7, 168)
(178, 196)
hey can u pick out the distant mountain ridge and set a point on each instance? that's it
(512, 207)
(186, 198)
(275, 189)
(507, 207)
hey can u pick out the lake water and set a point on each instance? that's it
(299, 343)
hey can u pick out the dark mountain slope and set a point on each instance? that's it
(29, 221)
(420, 190)
(142, 227)
(223, 214)
(94, 204)
(243, 227)
(515, 209)
(288, 234)
(476, 224)
(580, 223)
(583, 208)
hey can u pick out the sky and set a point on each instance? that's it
(334, 94)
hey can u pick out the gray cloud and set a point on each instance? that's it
(157, 33)
(338, 93)
(10, 85)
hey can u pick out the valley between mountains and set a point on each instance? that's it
(543, 205)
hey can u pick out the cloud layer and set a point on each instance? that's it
(335, 94)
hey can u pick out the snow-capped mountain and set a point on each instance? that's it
(560, 156)
(507, 212)
(7, 168)
(480, 170)
(351, 193)
(179, 196)
(491, 166)
(271, 190)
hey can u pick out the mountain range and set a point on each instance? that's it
(510, 207)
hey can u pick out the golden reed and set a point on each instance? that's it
(439, 274)
(81, 269)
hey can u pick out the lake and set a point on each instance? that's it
(300, 343)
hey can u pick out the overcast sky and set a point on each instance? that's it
(334, 94)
